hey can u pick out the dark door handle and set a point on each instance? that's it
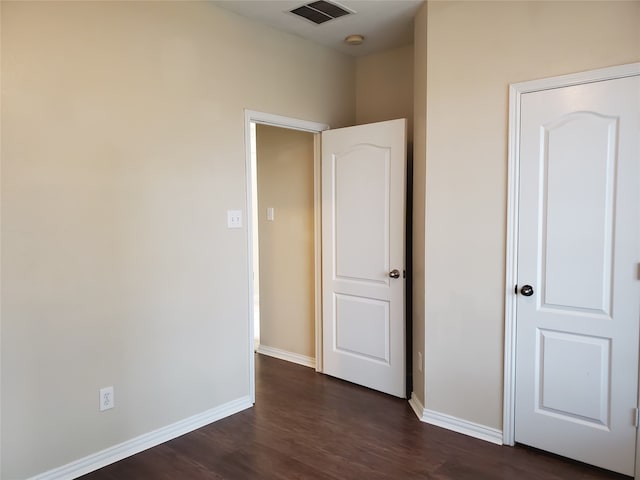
(526, 290)
(395, 273)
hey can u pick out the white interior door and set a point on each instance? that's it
(578, 256)
(363, 284)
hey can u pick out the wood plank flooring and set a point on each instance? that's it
(310, 426)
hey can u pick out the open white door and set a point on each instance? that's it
(363, 280)
(578, 303)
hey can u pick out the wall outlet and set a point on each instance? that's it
(419, 361)
(106, 398)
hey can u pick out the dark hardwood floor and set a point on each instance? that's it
(309, 426)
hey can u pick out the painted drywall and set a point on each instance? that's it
(122, 149)
(384, 87)
(419, 185)
(474, 51)
(285, 166)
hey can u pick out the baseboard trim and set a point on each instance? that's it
(288, 356)
(126, 449)
(455, 424)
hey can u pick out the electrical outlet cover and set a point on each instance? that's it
(106, 398)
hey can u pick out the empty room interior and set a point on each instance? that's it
(206, 205)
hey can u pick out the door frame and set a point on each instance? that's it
(252, 116)
(516, 90)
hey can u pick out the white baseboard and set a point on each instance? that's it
(143, 442)
(455, 424)
(288, 356)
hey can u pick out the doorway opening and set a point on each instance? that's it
(283, 243)
(257, 123)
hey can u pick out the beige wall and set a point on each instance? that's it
(384, 87)
(474, 50)
(122, 149)
(419, 184)
(285, 161)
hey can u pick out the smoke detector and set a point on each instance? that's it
(354, 39)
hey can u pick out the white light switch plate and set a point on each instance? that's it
(234, 218)
(270, 214)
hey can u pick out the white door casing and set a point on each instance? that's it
(577, 244)
(363, 211)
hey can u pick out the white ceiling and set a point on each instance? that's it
(384, 23)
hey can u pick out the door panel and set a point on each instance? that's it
(579, 153)
(355, 315)
(565, 357)
(579, 247)
(363, 212)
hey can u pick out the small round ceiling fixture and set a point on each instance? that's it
(354, 39)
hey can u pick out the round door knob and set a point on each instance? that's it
(526, 290)
(395, 273)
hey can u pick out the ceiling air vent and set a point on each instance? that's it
(320, 11)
